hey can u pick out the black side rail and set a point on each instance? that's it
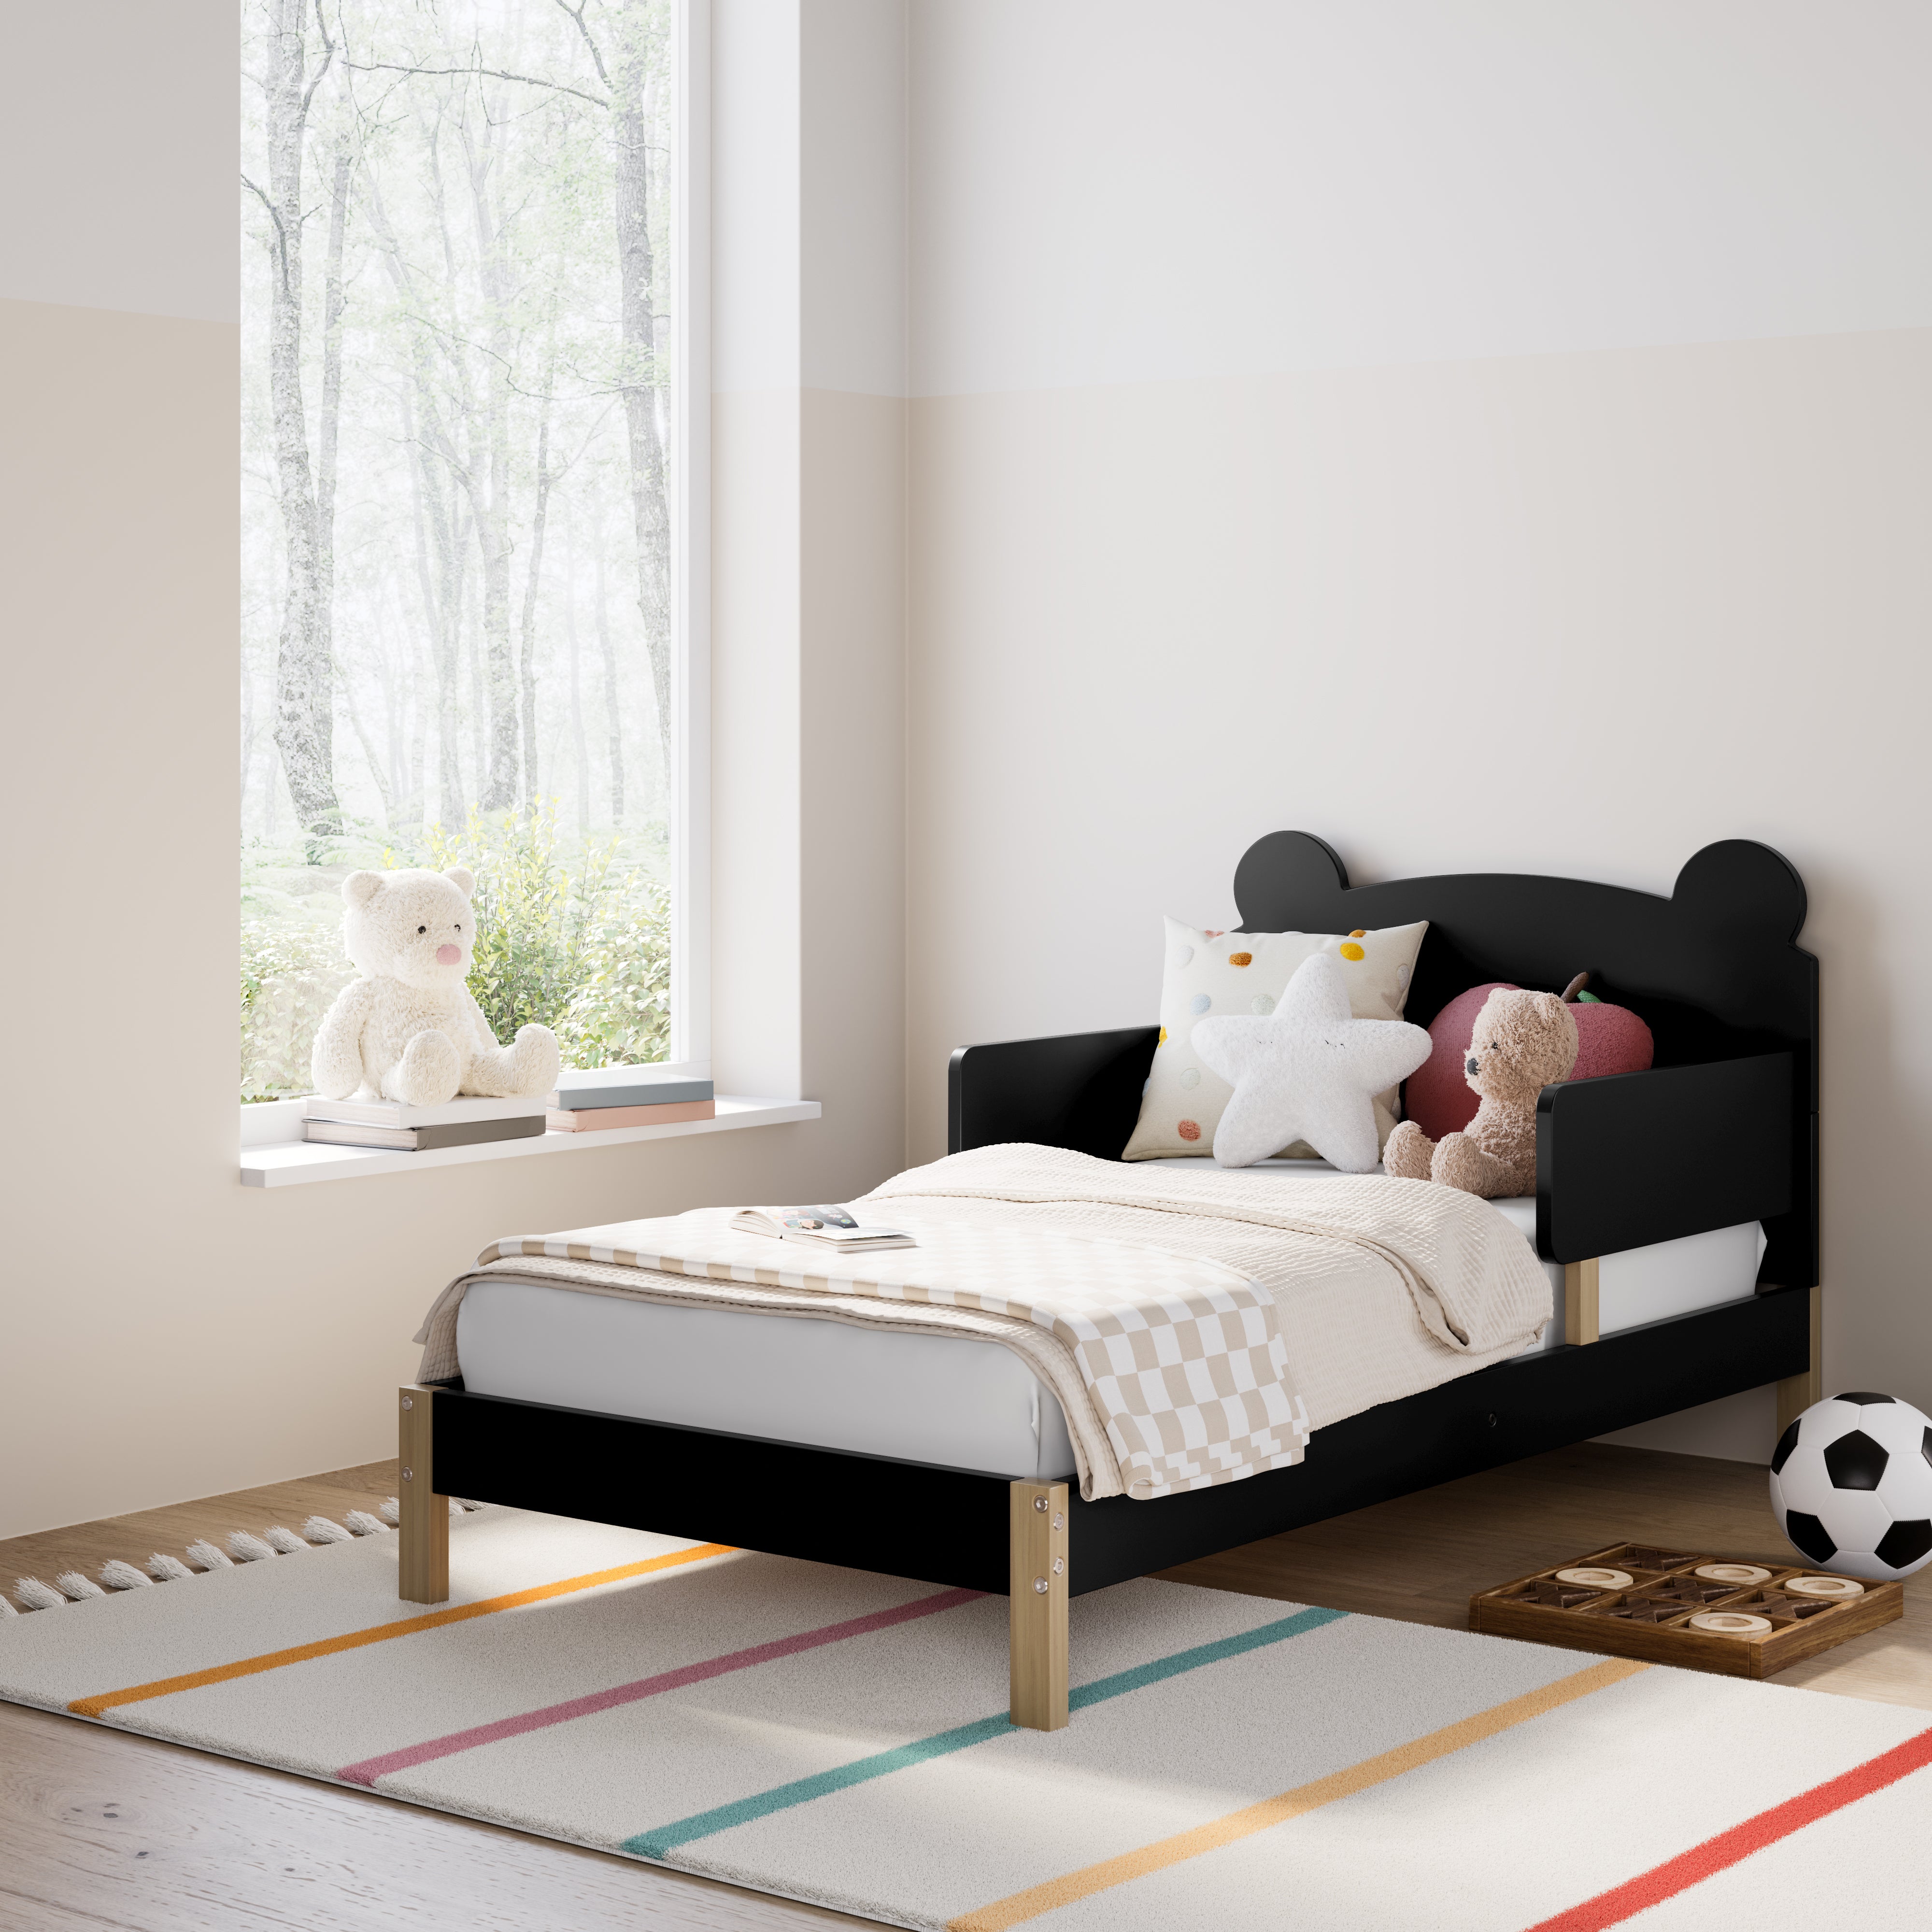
(1081, 1090)
(1630, 1158)
(1640, 1157)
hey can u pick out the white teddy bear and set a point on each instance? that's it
(408, 1029)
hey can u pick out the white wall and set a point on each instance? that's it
(117, 119)
(1120, 191)
(1490, 436)
(164, 1332)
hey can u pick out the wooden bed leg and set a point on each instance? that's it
(1036, 1604)
(1579, 1302)
(1796, 1393)
(422, 1567)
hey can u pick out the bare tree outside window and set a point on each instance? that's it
(456, 455)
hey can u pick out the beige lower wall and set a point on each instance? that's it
(852, 736)
(809, 748)
(166, 1333)
(1578, 614)
(170, 1334)
(1581, 613)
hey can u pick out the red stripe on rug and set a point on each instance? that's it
(1733, 1847)
(370, 1769)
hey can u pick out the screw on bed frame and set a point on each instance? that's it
(1039, 1586)
(407, 1473)
(1059, 1566)
(1039, 1504)
(409, 1401)
(1059, 1519)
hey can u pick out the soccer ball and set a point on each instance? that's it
(1851, 1483)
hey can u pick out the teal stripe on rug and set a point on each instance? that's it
(661, 1841)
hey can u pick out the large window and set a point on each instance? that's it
(459, 636)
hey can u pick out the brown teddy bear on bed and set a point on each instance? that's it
(1521, 1042)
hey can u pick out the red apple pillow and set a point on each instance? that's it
(1439, 1100)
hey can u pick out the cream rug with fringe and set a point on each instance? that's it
(1234, 1763)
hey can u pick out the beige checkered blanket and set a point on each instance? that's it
(1134, 1293)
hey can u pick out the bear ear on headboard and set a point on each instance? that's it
(1289, 882)
(1739, 885)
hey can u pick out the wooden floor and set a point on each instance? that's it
(1422, 1557)
(98, 1829)
(135, 1538)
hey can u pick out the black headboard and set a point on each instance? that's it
(1713, 969)
(1725, 1126)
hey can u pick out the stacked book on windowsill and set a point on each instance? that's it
(601, 1098)
(405, 1129)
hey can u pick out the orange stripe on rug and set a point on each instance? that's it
(1056, 1892)
(329, 1646)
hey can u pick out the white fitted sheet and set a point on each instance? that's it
(951, 1400)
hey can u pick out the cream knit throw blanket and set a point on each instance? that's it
(1140, 1296)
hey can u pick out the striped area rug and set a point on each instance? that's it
(1233, 1762)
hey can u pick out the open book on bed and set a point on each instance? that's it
(822, 1227)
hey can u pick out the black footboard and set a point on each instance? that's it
(826, 1505)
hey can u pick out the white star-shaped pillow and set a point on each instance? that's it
(1308, 1071)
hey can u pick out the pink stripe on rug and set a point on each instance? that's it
(370, 1769)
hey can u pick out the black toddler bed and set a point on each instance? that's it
(1722, 1129)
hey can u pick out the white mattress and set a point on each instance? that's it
(944, 1399)
(951, 1400)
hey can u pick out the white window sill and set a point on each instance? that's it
(285, 1163)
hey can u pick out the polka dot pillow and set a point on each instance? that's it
(1245, 973)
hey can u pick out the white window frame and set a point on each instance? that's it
(276, 1122)
(691, 545)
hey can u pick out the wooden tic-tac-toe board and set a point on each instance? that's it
(1673, 1606)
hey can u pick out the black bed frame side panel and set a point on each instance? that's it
(949, 1526)
(1517, 1408)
